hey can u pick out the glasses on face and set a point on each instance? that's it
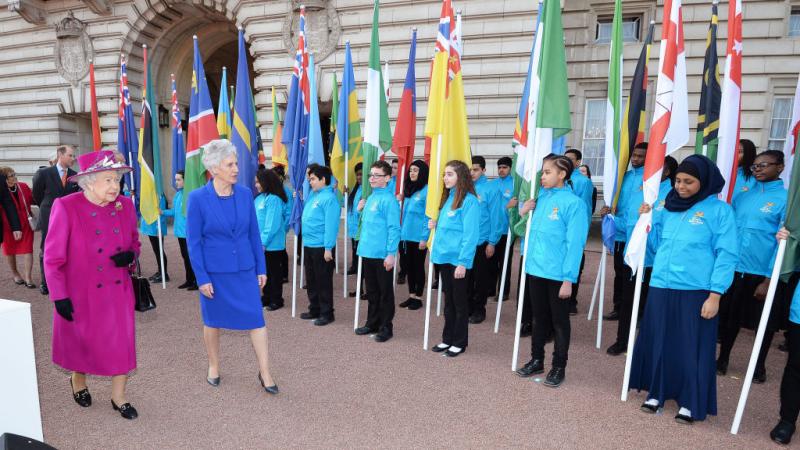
(762, 165)
(377, 175)
(12, 175)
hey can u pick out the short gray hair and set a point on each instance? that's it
(85, 181)
(215, 151)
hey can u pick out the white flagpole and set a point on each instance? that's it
(358, 294)
(346, 237)
(521, 293)
(602, 296)
(597, 283)
(506, 258)
(637, 294)
(397, 254)
(302, 264)
(762, 327)
(294, 278)
(439, 297)
(161, 253)
(430, 260)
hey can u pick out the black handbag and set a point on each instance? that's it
(141, 291)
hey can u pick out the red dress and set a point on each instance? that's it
(23, 204)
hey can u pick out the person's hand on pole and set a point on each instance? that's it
(527, 207)
(645, 208)
(512, 203)
(361, 204)
(604, 211)
(783, 234)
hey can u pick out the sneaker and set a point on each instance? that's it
(782, 433)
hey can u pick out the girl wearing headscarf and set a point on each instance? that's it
(696, 253)
(414, 232)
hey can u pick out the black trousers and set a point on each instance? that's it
(353, 254)
(319, 279)
(402, 263)
(415, 267)
(456, 307)
(41, 257)
(285, 264)
(380, 310)
(619, 273)
(155, 245)
(273, 290)
(574, 297)
(626, 305)
(481, 280)
(527, 315)
(187, 264)
(499, 258)
(790, 384)
(550, 314)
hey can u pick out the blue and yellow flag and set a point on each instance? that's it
(224, 109)
(150, 186)
(244, 131)
(347, 145)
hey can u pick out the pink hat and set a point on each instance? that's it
(99, 161)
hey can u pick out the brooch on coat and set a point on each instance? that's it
(118, 206)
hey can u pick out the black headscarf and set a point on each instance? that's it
(711, 182)
(411, 187)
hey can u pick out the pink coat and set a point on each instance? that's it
(80, 241)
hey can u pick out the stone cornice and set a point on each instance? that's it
(99, 7)
(33, 11)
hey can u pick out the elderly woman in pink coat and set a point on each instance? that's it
(92, 244)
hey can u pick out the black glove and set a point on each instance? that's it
(123, 259)
(64, 308)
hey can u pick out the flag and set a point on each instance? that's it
(127, 140)
(295, 124)
(635, 116)
(316, 155)
(670, 128)
(520, 139)
(202, 127)
(278, 149)
(96, 140)
(231, 98)
(377, 132)
(731, 103)
(224, 108)
(446, 121)
(150, 186)
(611, 160)
(178, 148)
(386, 83)
(334, 117)
(244, 132)
(348, 127)
(710, 95)
(793, 137)
(405, 129)
(791, 259)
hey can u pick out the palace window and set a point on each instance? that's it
(631, 29)
(779, 126)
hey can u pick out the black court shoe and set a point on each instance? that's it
(125, 410)
(684, 419)
(440, 348)
(273, 390)
(452, 354)
(649, 408)
(782, 433)
(82, 397)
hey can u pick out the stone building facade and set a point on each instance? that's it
(44, 97)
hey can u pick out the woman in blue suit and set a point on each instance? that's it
(228, 259)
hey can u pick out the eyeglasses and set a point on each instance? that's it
(762, 165)
(377, 175)
(12, 175)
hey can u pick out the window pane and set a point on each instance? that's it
(630, 30)
(775, 144)
(594, 135)
(781, 116)
(603, 32)
(794, 24)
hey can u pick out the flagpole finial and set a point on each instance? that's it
(144, 45)
(224, 68)
(240, 28)
(194, 36)
(652, 22)
(715, 2)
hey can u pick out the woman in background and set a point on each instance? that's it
(414, 232)
(22, 197)
(270, 206)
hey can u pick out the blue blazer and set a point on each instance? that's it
(213, 246)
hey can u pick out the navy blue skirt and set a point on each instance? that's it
(674, 356)
(236, 304)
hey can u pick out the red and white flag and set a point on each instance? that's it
(670, 128)
(790, 145)
(731, 104)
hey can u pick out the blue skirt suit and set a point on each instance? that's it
(225, 250)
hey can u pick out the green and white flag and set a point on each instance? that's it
(613, 106)
(377, 132)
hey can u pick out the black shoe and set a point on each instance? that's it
(153, 276)
(451, 354)
(185, 285)
(415, 305)
(406, 303)
(361, 331)
(617, 349)
(43, 289)
(533, 367)
(440, 348)
(648, 408)
(782, 433)
(684, 419)
(573, 309)
(613, 315)
(274, 306)
(784, 347)
(401, 279)
(269, 389)
(309, 316)
(157, 279)
(555, 377)
(760, 376)
(477, 318)
(285, 280)
(125, 410)
(322, 321)
(82, 397)
(213, 381)
(363, 296)
(192, 287)
(351, 294)
(722, 367)
(383, 336)
(435, 284)
(352, 271)
(526, 330)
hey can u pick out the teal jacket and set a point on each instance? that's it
(487, 199)
(179, 222)
(504, 188)
(658, 208)
(631, 184)
(287, 207)
(456, 232)
(794, 314)
(760, 212)
(380, 228)
(353, 215)
(696, 249)
(559, 228)
(151, 229)
(415, 222)
(582, 187)
(270, 214)
(320, 223)
(742, 184)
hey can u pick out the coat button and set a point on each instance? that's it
(113, 213)
(116, 230)
(117, 282)
(97, 232)
(99, 285)
(94, 214)
(99, 268)
(99, 250)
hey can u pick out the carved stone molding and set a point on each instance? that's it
(323, 28)
(33, 11)
(73, 49)
(99, 7)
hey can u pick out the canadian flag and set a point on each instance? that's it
(731, 104)
(670, 128)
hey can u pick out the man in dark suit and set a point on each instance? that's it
(49, 184)
(10, 209)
